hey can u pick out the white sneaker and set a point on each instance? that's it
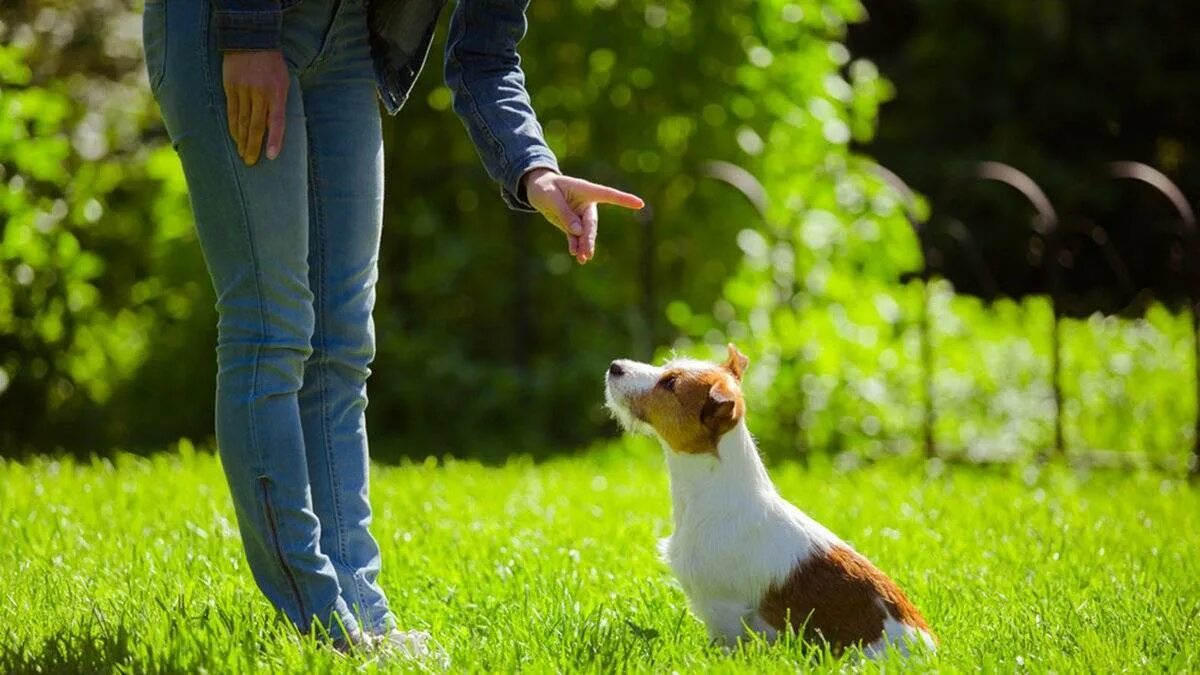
(407, 645)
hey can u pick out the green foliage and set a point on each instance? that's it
(846, 372)
(817, 303)
(95, 238)
(487, 303)
(553, 567)
(107, 330)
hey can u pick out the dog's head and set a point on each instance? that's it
(688, 404)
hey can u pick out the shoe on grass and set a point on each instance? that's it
(407, 645)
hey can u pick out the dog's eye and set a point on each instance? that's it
(667, 383)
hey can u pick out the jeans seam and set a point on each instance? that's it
(236, 173)
(328, 39)
(156, 80)
(258, 300)
(497, 146)
(323, 363)
(256, 449)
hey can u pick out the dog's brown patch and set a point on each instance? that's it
(691, 409)
(838, 597)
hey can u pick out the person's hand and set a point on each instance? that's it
(256, 86)
(570, 205)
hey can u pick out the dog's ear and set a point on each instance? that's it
(736, 363)
(717, 413)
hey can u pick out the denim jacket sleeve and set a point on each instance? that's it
(248, 24)
(484, 74)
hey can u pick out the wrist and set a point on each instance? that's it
(533, 174)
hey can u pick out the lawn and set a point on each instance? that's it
(135, 565)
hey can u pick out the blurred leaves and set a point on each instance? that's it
(92, 225)
(484, 301)
(491, 340)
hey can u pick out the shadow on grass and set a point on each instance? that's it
(71, 652)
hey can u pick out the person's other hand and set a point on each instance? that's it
(256, 86)
(570, 205)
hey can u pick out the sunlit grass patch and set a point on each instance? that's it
(552, 567)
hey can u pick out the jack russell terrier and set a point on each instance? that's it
(749, 561)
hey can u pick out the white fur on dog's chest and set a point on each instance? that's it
(734, 536)
(740, 560)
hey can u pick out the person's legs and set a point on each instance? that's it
(346, 211)
(253, 226)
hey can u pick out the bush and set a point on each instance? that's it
(97, 261)
(482, 317)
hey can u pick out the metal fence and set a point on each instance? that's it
(1052, 246)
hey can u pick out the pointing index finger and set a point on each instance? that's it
(602, 194)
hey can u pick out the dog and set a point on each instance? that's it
(748, 560)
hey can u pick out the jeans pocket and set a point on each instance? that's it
(154, 41)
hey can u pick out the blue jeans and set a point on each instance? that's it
(292, 247)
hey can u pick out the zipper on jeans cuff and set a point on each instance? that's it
(264, 482)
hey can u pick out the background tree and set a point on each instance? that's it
(493, 342)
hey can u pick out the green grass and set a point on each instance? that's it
(135, 565)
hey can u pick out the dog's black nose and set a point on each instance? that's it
(615, 369)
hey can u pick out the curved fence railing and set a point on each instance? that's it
(1047, 236)
(1046, 225)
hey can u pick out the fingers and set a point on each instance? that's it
(231, 112)
(245, 104)
(258, 127)
(275, 123)
(586, 248)
(255, 84)
(565, 217)
(602, 194)
(570, 204)
(568, 222)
